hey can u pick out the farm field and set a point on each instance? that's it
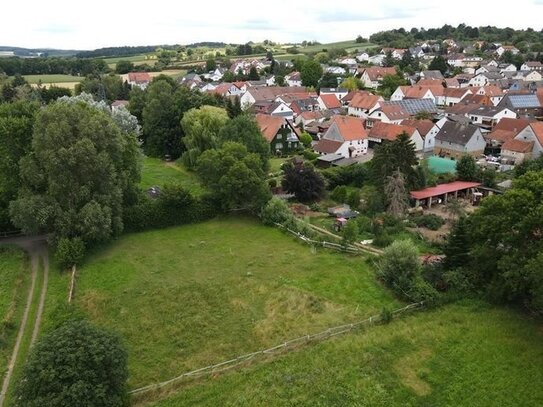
(466, 354)
(189, 296)
(14, 280)
(54, 79)
(347, 45)
(156, 172)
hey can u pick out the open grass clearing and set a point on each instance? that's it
(347, 45)
(466, 354)
(186, 297)
(157, 172)
(14, 282)
(53, 78)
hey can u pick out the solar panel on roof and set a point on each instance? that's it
(414, 106)
(524, 101)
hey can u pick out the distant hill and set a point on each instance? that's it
(34, 52)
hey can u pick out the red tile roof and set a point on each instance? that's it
(423, 126)
(394, 112)
(139, 77)
(327, 146)
(443, 189)
(518, 146)
(269, 125)
(376, 73)
(389, 131)
(418, 91)
(350, 128)
(513, 125)
(537, 127)
(330, 101)
(365, 101)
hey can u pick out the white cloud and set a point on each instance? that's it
(100, 23)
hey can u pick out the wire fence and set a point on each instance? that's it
(349, 248)
(287, 345)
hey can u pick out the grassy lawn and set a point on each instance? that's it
(466, 354)
(158, 172)
(14, 281)
(186, 297)
(275, 164)
(54, 78)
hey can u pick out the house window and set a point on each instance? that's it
(279, 136)
(278, 146)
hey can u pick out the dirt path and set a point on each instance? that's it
(37, 249)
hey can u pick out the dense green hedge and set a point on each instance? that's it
(174, 206)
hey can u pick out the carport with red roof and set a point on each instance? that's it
(442, 191)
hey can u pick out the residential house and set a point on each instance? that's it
(431, 75)
(525, 105)
(294, 79)
(300, 106)
(417, 52)
(427, 130)
(363, 103)
(533, 132)
(532, 66)
(516, 151)
(384, 132)
(310, 118)
(363, 57)
(215, 75)
(279, 109)
(279, 133)
(418, 92)
(456, 139)
(377, 59)
(452, 96)
(139, 79)
(336, 70)
(372, 76)
(270, 80)
(451, 83)
(346, 136)
(329, 101)
(504, 48)
(505, 67)
(489, 116)
(270, 93)
(531, 76)
(485, 78)
(507, 129)
(414, 106)
(387, 114)
(492, 91)
(339, 92)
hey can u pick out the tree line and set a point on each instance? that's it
(403, 38)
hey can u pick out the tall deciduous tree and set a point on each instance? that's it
(439, 64)
(201, 127)
(81, 171)
(234, 177)
(75, 365)
(466, 168)
(310, 73)
(16, 122)
(301, 179)
(244, 130)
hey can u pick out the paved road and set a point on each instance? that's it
(36, 247)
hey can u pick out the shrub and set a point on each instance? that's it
(400, 269)
(339, 194)
(272, 183)
(430, 221)
(382, 240)
(386, 315)
(306, 139)
(364, 224)
(353, 198)
(275, 211)
(310, 155)
(349, 233)
(69, 252)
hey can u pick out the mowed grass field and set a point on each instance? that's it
(157, 172)
(467, 354)
(186, 297)
(14, 280)
(53, 78)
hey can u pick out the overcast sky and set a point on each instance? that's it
(101, 23)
